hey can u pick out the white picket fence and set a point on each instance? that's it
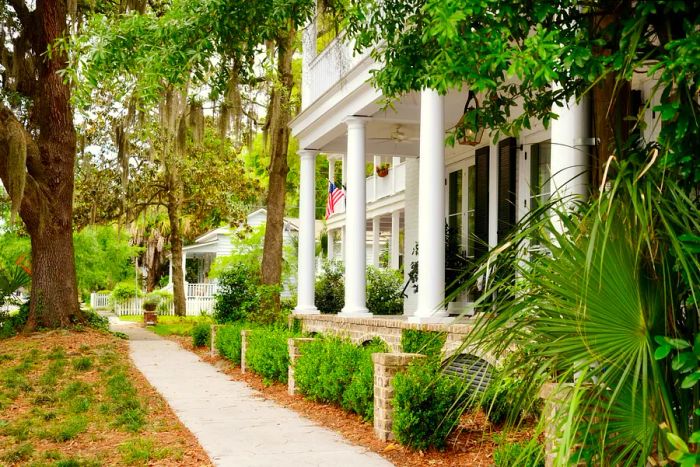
(200, 299)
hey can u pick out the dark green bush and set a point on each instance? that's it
(337, 371)
(228, 340)
(125, 291)
(330, 288)
(525, 454)
(201, 334)
(12, 324)
(237, 295)
(426, 406)
(384, 287)
(504, 398)
(428, 343)
(267, 352)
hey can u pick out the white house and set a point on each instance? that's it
(481, 190)
(218, 243)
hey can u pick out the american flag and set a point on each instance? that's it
(335, 194)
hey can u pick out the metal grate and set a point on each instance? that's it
(475, 371)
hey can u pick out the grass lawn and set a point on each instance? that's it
(171, 325)
(72, 398)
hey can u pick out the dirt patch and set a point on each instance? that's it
(75, 396)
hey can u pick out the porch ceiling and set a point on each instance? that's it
(404, 116)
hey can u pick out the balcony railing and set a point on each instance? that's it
(328, 67)
(380, 187)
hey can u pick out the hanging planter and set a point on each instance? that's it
(382, 170)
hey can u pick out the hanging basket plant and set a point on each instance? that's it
(382, 170)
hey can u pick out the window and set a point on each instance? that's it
(471, 210)
(454, 201)
(540, 173)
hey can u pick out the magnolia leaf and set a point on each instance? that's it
(691, 380)
(662, 352)
(677, 443)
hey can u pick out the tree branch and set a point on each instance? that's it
(22, 12)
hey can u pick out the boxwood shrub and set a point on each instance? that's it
(337, 371)
(428, 343)
(201, 334)
(427, 405)
(228, 340)
(267, 352)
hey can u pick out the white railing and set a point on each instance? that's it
(99, 301)
(200, 298)
(380, 187)
(329, 67)
(201, 290)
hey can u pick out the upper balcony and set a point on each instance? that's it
(322, 70)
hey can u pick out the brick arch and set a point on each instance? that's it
(451, 351)
(365, 339)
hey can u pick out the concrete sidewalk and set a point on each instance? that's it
(232, 422)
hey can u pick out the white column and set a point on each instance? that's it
(376, 247)
(331, 253)
(431, 209)
(376, 160)
(570, 136)
(395, 229)
(341, 231)
(170, 270)
(331, 168)
(184, 267)
(307, 228)
(355, 228)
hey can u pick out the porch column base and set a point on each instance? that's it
(306, 310)
(439, 317)
(355, 312)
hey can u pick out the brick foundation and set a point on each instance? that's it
(386, 366)
(294, 344)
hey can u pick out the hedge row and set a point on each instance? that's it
(337, 371)
(267, 352)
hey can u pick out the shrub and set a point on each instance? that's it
(267, 353)
(527, 454)
(201, 334)
(504, 398)
(428, 343)
(426, 406)
(330, 288)
(237, 293)
(166, 300)
(12, 324)
(336, 371)
(96, 321)
(228, 340)
(124, 291)
(384, 287)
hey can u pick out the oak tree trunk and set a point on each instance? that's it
(174, 213)
(279, 117)
(47, 205)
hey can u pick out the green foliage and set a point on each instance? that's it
(201, 334)
(337, 371)
(11, 279)
(426, 406)
(228, 340)
(330, 288)
(125, 291)
(428, 343)
(141, 451)
(82, 363)
(384, 287)
(237, 297)
(500, 401)
(523, 454)
(602, 262)
(102, 257)
(151, 301)
(267, 352)
(11, 324)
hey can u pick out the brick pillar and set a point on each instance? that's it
(212, 348)
(294, 344)
(243, 345)
(556, 400)
(386, 365)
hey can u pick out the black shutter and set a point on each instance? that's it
(506, 187)
(481, 205)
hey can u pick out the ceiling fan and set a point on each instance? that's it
(397, 135)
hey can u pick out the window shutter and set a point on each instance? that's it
(506, 187)
(481, 205)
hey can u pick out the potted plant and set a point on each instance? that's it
(150, 303)
(382, 170)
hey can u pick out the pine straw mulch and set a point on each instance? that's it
(56, 405)
(471, 444)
